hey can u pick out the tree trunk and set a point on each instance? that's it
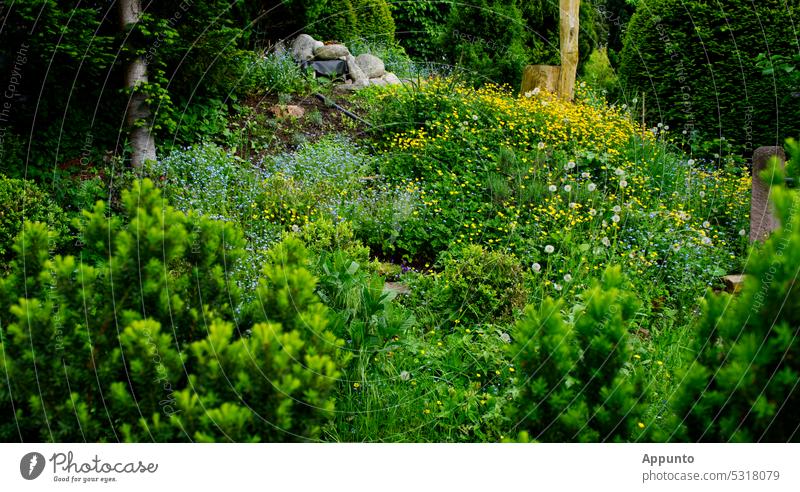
(569, 28)
(137, 116)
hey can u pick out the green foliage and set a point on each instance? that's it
(147, 324)
(489, 40)
(367, 315)
(325, 236)
(493, 40)
(577, 381)
(434, 385)
(419, 25)
(612, 18)
(21, 202)
(598, 72)
(697, 63)
(334, 20)
(274, 73)
(476, 285)
(739, 383)
(60, 51)
(374, 20)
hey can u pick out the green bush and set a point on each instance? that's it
(143, 336)
(419, 25)
(333, 20)
(697, 63)
(21, 201)
(474, 285)
(577, 381)
(739, 383)
(489, 41)
(600, 75)
(374, 21)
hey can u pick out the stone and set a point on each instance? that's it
(287, 111)
(391, 78)
(378, 81)
(354, 71)
(352, 86)
(397, 287)
(762, 216)
(303, 48)
(371, 65)
(331, 52)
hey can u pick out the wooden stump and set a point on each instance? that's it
(545, 77)
(733, 283)
(762, 216)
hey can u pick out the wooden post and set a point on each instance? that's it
(569, 27)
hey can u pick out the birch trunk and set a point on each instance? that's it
(137, 116)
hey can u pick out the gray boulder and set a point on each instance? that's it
(371, 65)
(391, 78)
(331, 52)
(356, 74)
(303, 48)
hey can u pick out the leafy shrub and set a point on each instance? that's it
(739, 382)
(374, 20)
(325, 236)
(368, 317)
(697, 64)
(575, 373)
(480, 286)
(22, 201)
(154, 343)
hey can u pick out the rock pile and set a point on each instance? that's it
(361, 71)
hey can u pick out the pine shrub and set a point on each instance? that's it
(740, 382)
(576, 378)
(374, 21)
(143, 336)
